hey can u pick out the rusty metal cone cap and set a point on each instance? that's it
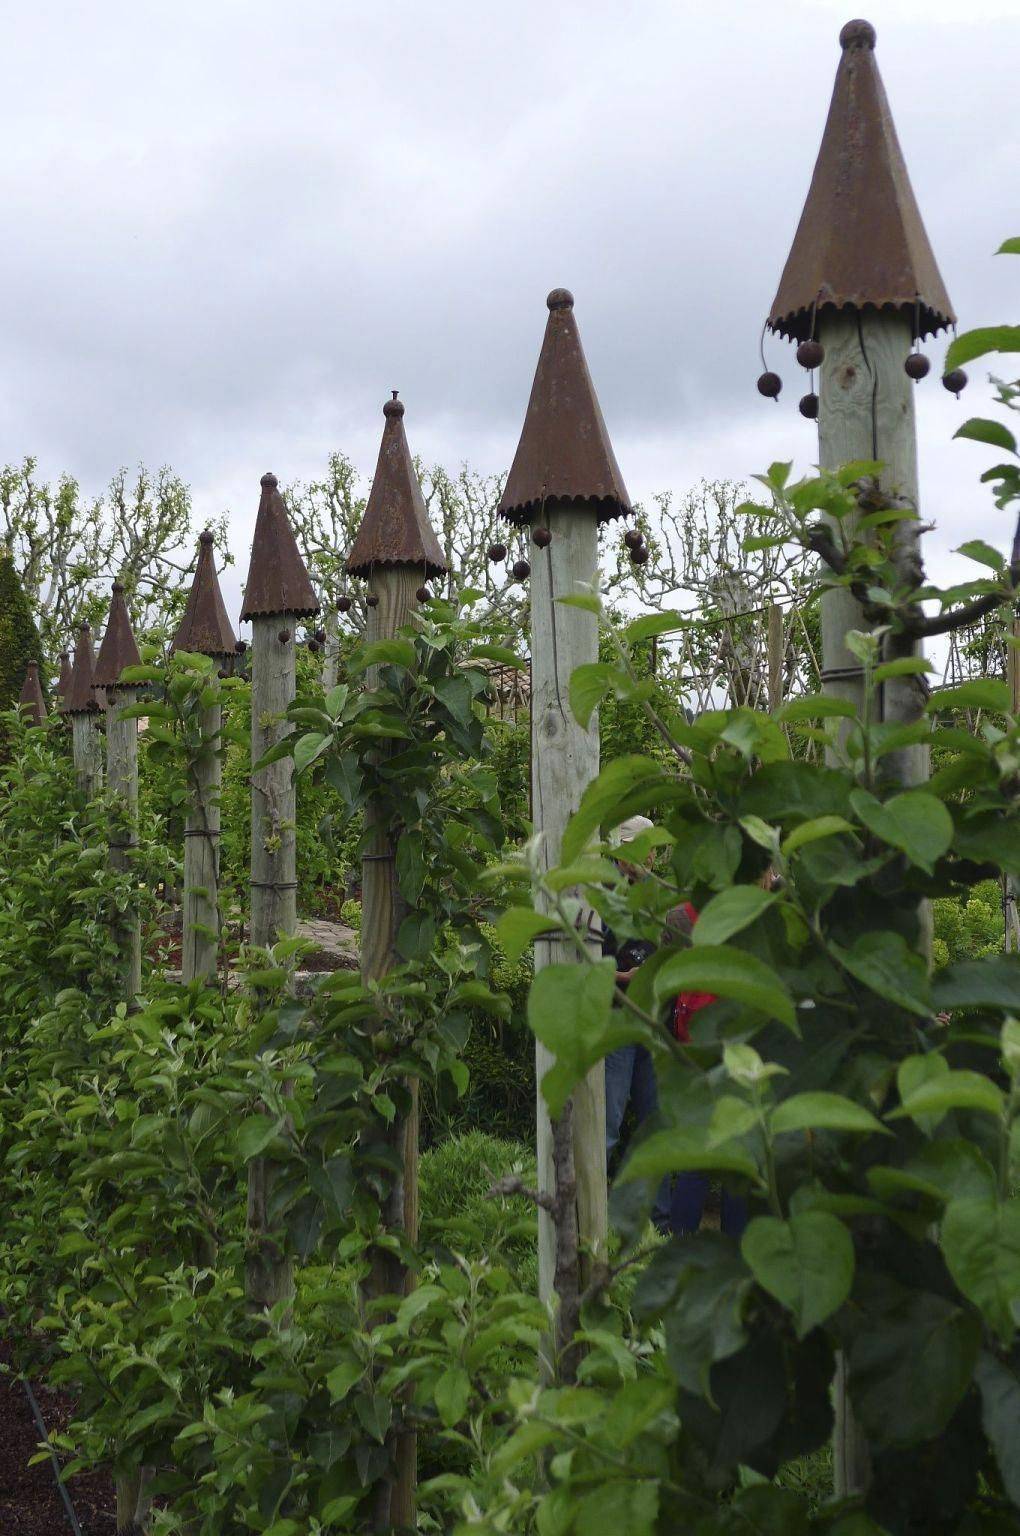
(31, 698)
(395, 529)
(64, 680)
(564, 453)
(278, 580)
(205, 627)
(861, 241)
(118, 649)
(79, 699)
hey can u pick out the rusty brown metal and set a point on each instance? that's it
(64, 680)
(278, 581)
(205, 627)
(31, 701)
(861, 241)
(395, 529)
(118, 649)
(564, 453)
(79, 699)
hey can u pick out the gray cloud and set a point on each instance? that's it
(231, 228)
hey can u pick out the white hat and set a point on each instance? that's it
(628, 830)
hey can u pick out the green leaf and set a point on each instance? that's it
(981, 693)
(911, 1360)
(951, 1090)
(991, 982)
(675, 1152)
(729, 912)
(570, 1012)
(650, 625)
(589, 684)
(1010, 247)
(451, 1394)
(824, 1112)
(911, 1073)
(915, 822)
(806, 1263)
(627, 1506)
(814, 830)
(884, 963)
(981, 430)
(726, 973)
(1000, 1417)
(342, 1378)
(255, 1134)
(624, 786)
(815, 706)
(902, 666)
(308, 748)
(589, 602)
(456, 695)
(398, 653)
(977, 549)
(981, 341)
(518, 926)
(981, 1244)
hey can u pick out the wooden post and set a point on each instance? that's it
(201, 916)
(775, 647)
(396, 549)
(122, 770)
(86, 729)
(276, 595)
(564, 760)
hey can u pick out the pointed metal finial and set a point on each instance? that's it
(278, 580)
(118, 649)
(31, 701)
(205, 628)
(395, 529)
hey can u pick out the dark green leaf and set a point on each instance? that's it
(729, 912)
(806, 1263)
(981, 1243)
(728, 973)
(980, 430)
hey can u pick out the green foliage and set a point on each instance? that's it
(19, 638)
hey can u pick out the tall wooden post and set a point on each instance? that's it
(118, 651)
(204, 630)
(81, 708)
(396, 549)
(775, 653)
(31, 701)
(564, 481)
(277, 594)
(860, 285)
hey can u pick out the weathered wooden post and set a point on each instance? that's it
(277, 594)
(118, 651)
(204, 630)
(83, 711)
(396, 551)
(860, 287)
(31, 702)
(564, 480)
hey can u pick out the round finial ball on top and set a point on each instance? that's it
(393, 406)
(496, 552)
(808, 406)
(541, 537)
(954, 381)
(206, 537)
(769, 385)
(858, 34)
(269, 481)
(917, 366)
(560, 298)
(522, 570)
(240, 646)
(810, 354)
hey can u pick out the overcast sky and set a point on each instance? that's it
(230, 227)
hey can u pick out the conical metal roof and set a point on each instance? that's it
(395, 529)
(79, 699)
(564, 453)
(118, 649)
(205, 627)
(31, 699)
(861, 241)
(64, 680)
(278, 581)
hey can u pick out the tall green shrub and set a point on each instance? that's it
(19, 638)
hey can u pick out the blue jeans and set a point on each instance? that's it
(630, 1079)
(687, 1205)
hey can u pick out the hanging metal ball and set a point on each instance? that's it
(808, 406)
(769, 385)
(344, 605)
(542, 537)
(639, 556)
(810, 354)
(917, 366)
(283, 636)
(496, 552)
(522, 570)
(313, 645)
(633, 538)
(954, 381)
(372, 600)
(240, 646)
(222, 674)
(423, 594)
(320, 636)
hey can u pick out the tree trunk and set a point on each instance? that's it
(122, 768)
(201, 921)
(269, 1277)
(564, 760)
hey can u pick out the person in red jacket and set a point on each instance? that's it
(690, 1190)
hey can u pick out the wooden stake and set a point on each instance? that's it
(201, 921)
(269, 1276)
(564, 760)
(866, 411)
(122, 768)
(87, 753)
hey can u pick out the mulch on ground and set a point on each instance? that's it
(30, 1504)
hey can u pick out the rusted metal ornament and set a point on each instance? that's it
(541, 537)
(769, 385)
(205, 627)
(522, 570)
(955, 381)
(808, 406)
(810, 354)
(395, 529)
(917, 366)
(278, 581)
